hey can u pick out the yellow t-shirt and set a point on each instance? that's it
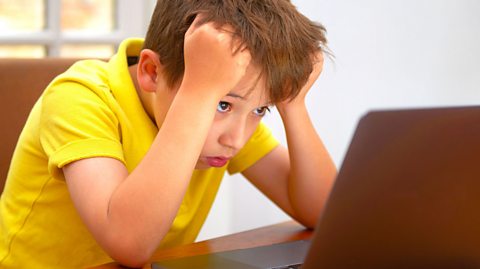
(91, 110)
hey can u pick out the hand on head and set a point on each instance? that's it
(213, 59)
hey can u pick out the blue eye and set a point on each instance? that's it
(224, 107)
(261, 111)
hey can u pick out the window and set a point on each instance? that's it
(70, 28)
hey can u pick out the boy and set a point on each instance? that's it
(118, 159)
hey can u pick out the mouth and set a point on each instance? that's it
(217, 161)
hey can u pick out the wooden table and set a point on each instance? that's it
(277, 233)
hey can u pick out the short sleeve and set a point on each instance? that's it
(259, 144)
(77, 123)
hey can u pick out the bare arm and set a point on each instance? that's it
(129, 214)
(297, 179)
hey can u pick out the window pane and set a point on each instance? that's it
(88, 15)
(87, 51)
(22, 51)
(22, 15)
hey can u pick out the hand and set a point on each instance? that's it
(300, 98)
(213, 59)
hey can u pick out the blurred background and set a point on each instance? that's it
(70, 28)
(388, 54)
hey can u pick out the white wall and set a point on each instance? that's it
(395, 53)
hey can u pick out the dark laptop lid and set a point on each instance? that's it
(407, 194)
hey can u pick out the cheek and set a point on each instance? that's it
(251, 127)
(211, 140)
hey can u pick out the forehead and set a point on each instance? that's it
(251, 88)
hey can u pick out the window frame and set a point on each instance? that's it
(52, 38)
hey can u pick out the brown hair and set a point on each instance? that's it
(282, 41)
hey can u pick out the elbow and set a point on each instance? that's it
(306, 220)
(133, 259)
(132, 263)
(133, 253)
(308, 216)
(309, 223)
(131, 245)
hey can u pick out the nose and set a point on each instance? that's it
(233, 135)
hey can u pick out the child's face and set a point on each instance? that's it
(238, 115)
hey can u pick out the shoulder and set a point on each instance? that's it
(85, 79)
(90, 73)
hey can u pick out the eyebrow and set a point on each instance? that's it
(236, 96)
(269, 104)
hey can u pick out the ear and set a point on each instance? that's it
(149, 70)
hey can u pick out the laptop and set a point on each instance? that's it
(407, 196)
